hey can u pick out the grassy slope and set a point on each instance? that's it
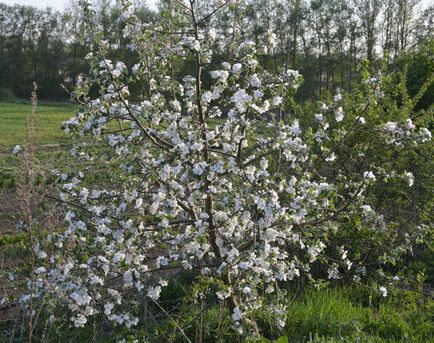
(13, 119)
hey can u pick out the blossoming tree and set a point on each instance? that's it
(211, 172)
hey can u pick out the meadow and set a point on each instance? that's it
(13, 119)
(50, 141)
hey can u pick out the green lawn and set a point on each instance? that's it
(13, 119)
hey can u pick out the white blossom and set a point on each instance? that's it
(236, 68)
(237, 314)
(339, 114)
(16, 149)
(383, 291)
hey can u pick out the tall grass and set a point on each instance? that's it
(27, 193)
(339, 314)
(357, 315)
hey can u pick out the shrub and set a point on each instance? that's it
(220, 178)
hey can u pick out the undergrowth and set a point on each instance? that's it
(337, 314)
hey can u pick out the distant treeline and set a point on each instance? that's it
(326, 40)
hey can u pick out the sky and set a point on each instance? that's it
(59, 4)
(56, 4)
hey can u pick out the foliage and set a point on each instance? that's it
(324, 40)
(419, 67)
(6, 95)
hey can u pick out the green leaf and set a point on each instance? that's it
(283, 339)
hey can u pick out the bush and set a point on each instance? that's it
(220, 177)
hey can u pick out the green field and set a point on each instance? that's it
(13, 120)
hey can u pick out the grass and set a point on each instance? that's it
(13, 119)
(13, 123)
(339, 314)
(354, 314)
